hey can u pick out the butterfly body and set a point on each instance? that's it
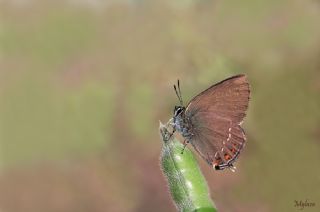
(211, 121)
(181, 123)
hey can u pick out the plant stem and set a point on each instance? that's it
(187, 185)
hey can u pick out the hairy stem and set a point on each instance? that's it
(187, 185)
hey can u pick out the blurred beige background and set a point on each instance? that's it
(84, 83)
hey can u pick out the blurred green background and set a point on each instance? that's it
(83, 84)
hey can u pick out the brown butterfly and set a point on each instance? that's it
(211, 121)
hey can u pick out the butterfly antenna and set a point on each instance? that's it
(175, 89)
(181, 102)
(177, 93)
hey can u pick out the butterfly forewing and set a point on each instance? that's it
(215, 115)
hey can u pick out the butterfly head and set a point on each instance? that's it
(178, 110)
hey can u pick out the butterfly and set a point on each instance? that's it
(211, 121)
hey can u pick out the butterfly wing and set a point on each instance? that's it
(215, 116)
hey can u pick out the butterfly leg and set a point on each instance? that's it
(185, 143)
(171, 134)
(171, 124)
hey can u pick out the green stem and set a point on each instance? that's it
(187, 185)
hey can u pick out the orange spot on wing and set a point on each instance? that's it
(217, 162)
(233, 150)
(227, 157)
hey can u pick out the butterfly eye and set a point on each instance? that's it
(177, 110)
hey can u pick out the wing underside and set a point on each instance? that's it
(216, 115)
